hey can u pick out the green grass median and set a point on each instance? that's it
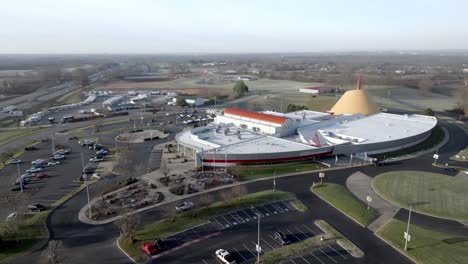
(12, 134)
(343, 200)
(437, 135)
(251, 173)
(430, 193)
(426, 246)
(179, 222)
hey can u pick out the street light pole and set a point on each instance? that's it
(258, 240)
(274, 181)
(19, 176)
(407, 235)
(85, 177)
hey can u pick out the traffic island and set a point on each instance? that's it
(344, 201)
(426, 246)
(183, 221)
(141, 136)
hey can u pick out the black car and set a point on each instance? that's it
(160, 244)
(30, 148)
(36, 207)
(282, 239)
(73, 138)
(16, 188)
(451, 169)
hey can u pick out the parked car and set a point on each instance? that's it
(15, 161)
(34, 169)
(152, 248)
(36, 207)
(184, 206)
(16, 188)
(89, 168)
(96, 159)
(102, 152)
(62, 152)
(58, 157)
(10, 217)
(53, 163)
(281, 238)
(41, 176)
(96, 176)
(86, 142)
(24, 181)
(29, 148)
(38, 162)
(27, 175)
(224, 256)
(97, 146)
(451, 169)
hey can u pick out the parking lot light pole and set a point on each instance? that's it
(407, 235)
(258, 240)
(274, 181)
(85, 177)
(19, 176)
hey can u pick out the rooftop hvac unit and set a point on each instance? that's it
(226, 130)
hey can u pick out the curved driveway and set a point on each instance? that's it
(84, 243)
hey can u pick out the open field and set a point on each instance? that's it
(426, 246)
(168, 226)
(70, 98)
(342, 199)
(433, 194)
(9, 135)
(250, 173)
(437, 135)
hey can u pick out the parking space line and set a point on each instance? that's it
(267, 243)
(313, 233)
(219, 223)
(305, 260)
(316, 257)
(248, 250)
(287, 206)
(242, 256)
(300, 231)
(228, 224)
(292, 261)
(337, 252)
(328, 255)
(273, 238)
(293, 235)
(204, 261)
(277, 208)
(237, 217)
(267, 209)
(248, 217)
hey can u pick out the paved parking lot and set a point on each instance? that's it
(61, 180)
(326, 255)
(251, 214)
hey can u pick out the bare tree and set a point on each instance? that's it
(128, 225)
(5, 156)
(51, 255)
(164, 168)
(425, 85)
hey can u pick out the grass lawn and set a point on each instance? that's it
(342, 199)
(7, 122)
(250, 173)
(70, 98)
(426, 246)
(437, 135)
(300, 206)
(179, 222)
(9, 135)
(431, 193)
(461, 156)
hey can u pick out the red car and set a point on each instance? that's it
(41, 176)
(157, 246)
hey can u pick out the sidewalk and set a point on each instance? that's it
(360, 185)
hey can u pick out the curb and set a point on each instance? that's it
(128, 256)
(396, 248)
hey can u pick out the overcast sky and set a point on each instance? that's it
(202, 26)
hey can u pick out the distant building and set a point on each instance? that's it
(318, 89)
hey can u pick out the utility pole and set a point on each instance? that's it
(85, 178)
(19, 176)
(274, 181)
(53, 143)
(258, 248)
(407, 236)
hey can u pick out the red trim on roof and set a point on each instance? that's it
(255, 115)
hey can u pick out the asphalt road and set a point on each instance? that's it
(81, 241)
